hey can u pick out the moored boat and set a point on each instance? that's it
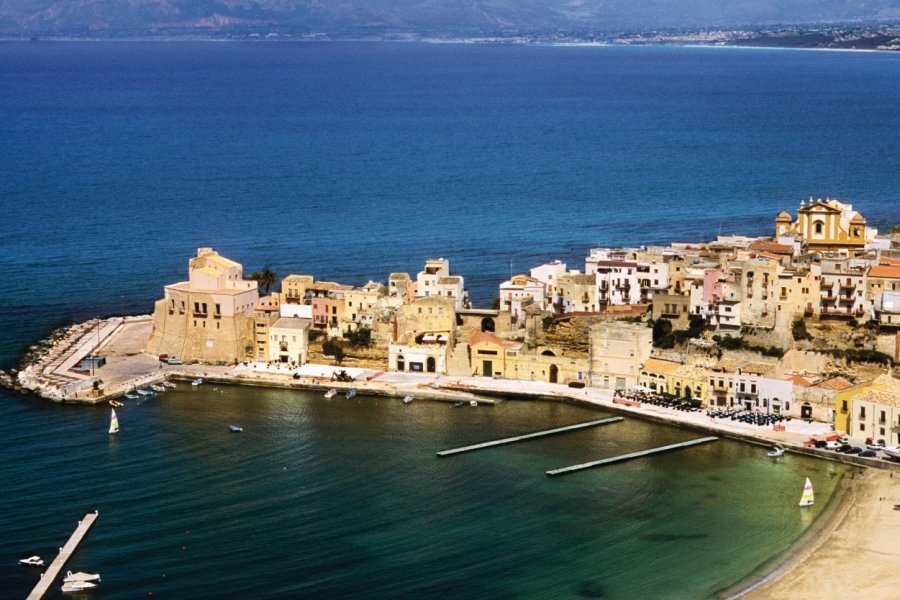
(407, 399)
(145, 392)
(168, 384)
(157, 388)
(32, 561)
(131, 396)
(116, 404)
(351, 393)
(459, 404)
(235, 428)
(77, 586)
(775, 452)
(331, 393)
(473, 402)
(80, 576)
(197, 381)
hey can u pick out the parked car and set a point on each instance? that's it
(821, 443)
(844, 448)
(173, 361)
(868, 453)
(854, 450)
(831, 445)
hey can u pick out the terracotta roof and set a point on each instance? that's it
(484, 337)
(783, 216)
(798, 380)
(691, 372)
(885, 397)
(886, 271)
(884, 260)
(662, 367)
(857, 218)
(835, 383)
(772, 247)
(770, 255)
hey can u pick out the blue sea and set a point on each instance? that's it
(349, 161)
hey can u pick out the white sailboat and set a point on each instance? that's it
(807, 499)
(114, 422)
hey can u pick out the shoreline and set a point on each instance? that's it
(848, 515)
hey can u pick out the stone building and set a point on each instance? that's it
(826, 225)
(209, 317)
(617, 352)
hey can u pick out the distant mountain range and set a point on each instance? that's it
(356, 18)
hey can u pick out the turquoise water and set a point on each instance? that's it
(346, 499)
(350, 161)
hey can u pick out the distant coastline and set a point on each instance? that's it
(850, 38)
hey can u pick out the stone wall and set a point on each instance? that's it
(221, 340)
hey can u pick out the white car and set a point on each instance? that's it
(832, 445)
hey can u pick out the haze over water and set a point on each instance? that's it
(349, 161)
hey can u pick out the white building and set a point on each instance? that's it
(435, 280)
(289, 341)
(518, 289)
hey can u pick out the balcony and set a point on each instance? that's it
(846, 299)
(847, 286)
(283, 347)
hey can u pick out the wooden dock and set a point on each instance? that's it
(631, 455)
(530, 436)
(65, 553)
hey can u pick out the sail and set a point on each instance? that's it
(807, 497)
(114, 422)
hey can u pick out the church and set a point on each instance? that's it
(825, 226)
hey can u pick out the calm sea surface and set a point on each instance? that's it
(349, 161)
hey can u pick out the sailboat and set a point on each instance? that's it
(114, 422)
(807, 498)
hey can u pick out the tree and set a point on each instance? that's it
(338, 354)
(361, 336)
(266, 278)
(798, 330)
(661, 328)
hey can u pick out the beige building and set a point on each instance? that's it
(617, 352)
(492, 356)
(656, 374)
(577, 292)
(423, 335)
(289, 341)
(209, 317)
(875, 412)
(293, 288)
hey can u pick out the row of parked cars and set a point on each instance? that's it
(841, 445)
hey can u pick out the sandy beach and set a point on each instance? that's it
(855, 555)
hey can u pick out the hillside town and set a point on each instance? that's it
(803, 324)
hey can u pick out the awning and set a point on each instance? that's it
(428, 337)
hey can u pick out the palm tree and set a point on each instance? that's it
(266, 278)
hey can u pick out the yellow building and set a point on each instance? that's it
(617, 352)
(689, 382)
(824, 225)
(656, 373)
(870, 409)
(492, 356)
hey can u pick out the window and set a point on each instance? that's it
(818, 228)
(862, 427)
(862, 412)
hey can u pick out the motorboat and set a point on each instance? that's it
(169, 384)
(351, 393)
(892, 451)
(131, 396)
(116, 404)
(145, 392)
(157, 388)
(459, 404)
(80, 576)
(407, 399)
(473, 402)
(235, 428)
(331, 393)
(32, 561)
(77, 586)
(197, 382)
(775, 452)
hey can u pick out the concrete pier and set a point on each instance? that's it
(65, 553)
(530, 436)
(631, 455)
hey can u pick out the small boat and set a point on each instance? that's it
(473, 403)
(77, 586)
(351, 393)
(897, 507)
(116, 404)
(892, 451)
(80, 576)
(331, 393)
(459, 404)
(32, 561)
(197, 381)
(113, 422)
(131, 396)
(145, 392)
(407, 399)
(807, 498)
(235, 429)
(775, 452)
(169, 384)
(157, 388)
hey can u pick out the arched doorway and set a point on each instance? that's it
(806, 411)
(776, 406)
(401, 364)
(547, 353)
(687, 393)
(554, 373)
(487, 324)
(430, 364)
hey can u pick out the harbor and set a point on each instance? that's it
(630, 456)
(49, 577)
